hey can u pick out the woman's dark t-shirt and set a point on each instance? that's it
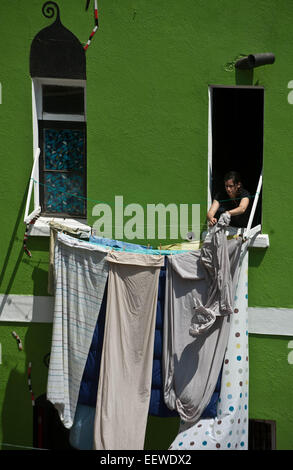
(227, 204)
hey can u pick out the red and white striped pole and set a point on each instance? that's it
(26, 234)
(29, 379)
(96, 25)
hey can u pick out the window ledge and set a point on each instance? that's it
(41, 228)
(258, 240)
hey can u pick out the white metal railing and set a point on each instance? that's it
(33, 181)
(253, 209)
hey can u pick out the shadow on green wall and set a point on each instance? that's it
(256, 256)
(11, 246)
(16, 420)
(244, 77)
(17, 409)
(15, 254)
(39, 274)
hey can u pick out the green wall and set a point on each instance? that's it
(16, 421)
(148, 71)
(271, 385)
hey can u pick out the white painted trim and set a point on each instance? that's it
(60, 81)
(26, 308)
(210, 149)
(63, 117)
(270, 321)
(37, 102)
(41, 227)
(35, 142)
(40, 309)
(254, 205)
(34, 174)
(38, 99)
(261, 241)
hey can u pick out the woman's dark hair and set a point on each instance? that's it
(233, 175)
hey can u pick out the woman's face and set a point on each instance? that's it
(231, 188)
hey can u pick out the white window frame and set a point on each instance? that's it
(41, 226)
(259, 240)
(38, 97)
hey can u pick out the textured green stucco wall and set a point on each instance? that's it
(271, 383)
(148, 71)
(16, 421)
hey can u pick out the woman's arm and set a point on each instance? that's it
(241, 208)
(211, 213)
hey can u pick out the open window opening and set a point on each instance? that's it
(262, 434)
(236, 139)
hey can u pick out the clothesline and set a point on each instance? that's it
(140, 249)
(18, 446)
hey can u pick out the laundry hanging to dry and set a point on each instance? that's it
(206, 326)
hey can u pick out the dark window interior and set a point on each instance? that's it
(262, 435)
(63, 99)
(237, 137)
(48, 431)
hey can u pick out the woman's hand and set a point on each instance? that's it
(212, 221)
(211, 213)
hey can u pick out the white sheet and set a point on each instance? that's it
(81, 273)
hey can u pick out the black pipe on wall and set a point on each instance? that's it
(255, 60)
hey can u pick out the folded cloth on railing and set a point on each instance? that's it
(56, 227)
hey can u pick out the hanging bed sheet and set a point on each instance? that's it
(199, 301)
(126, 364)
(229, 429)
(81, 273)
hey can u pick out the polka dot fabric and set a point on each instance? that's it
(229, 430)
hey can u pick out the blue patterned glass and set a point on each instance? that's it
(64, 193)
(64, 157)
(64, 149)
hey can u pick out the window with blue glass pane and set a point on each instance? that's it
(63, 163)
(64, 149)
